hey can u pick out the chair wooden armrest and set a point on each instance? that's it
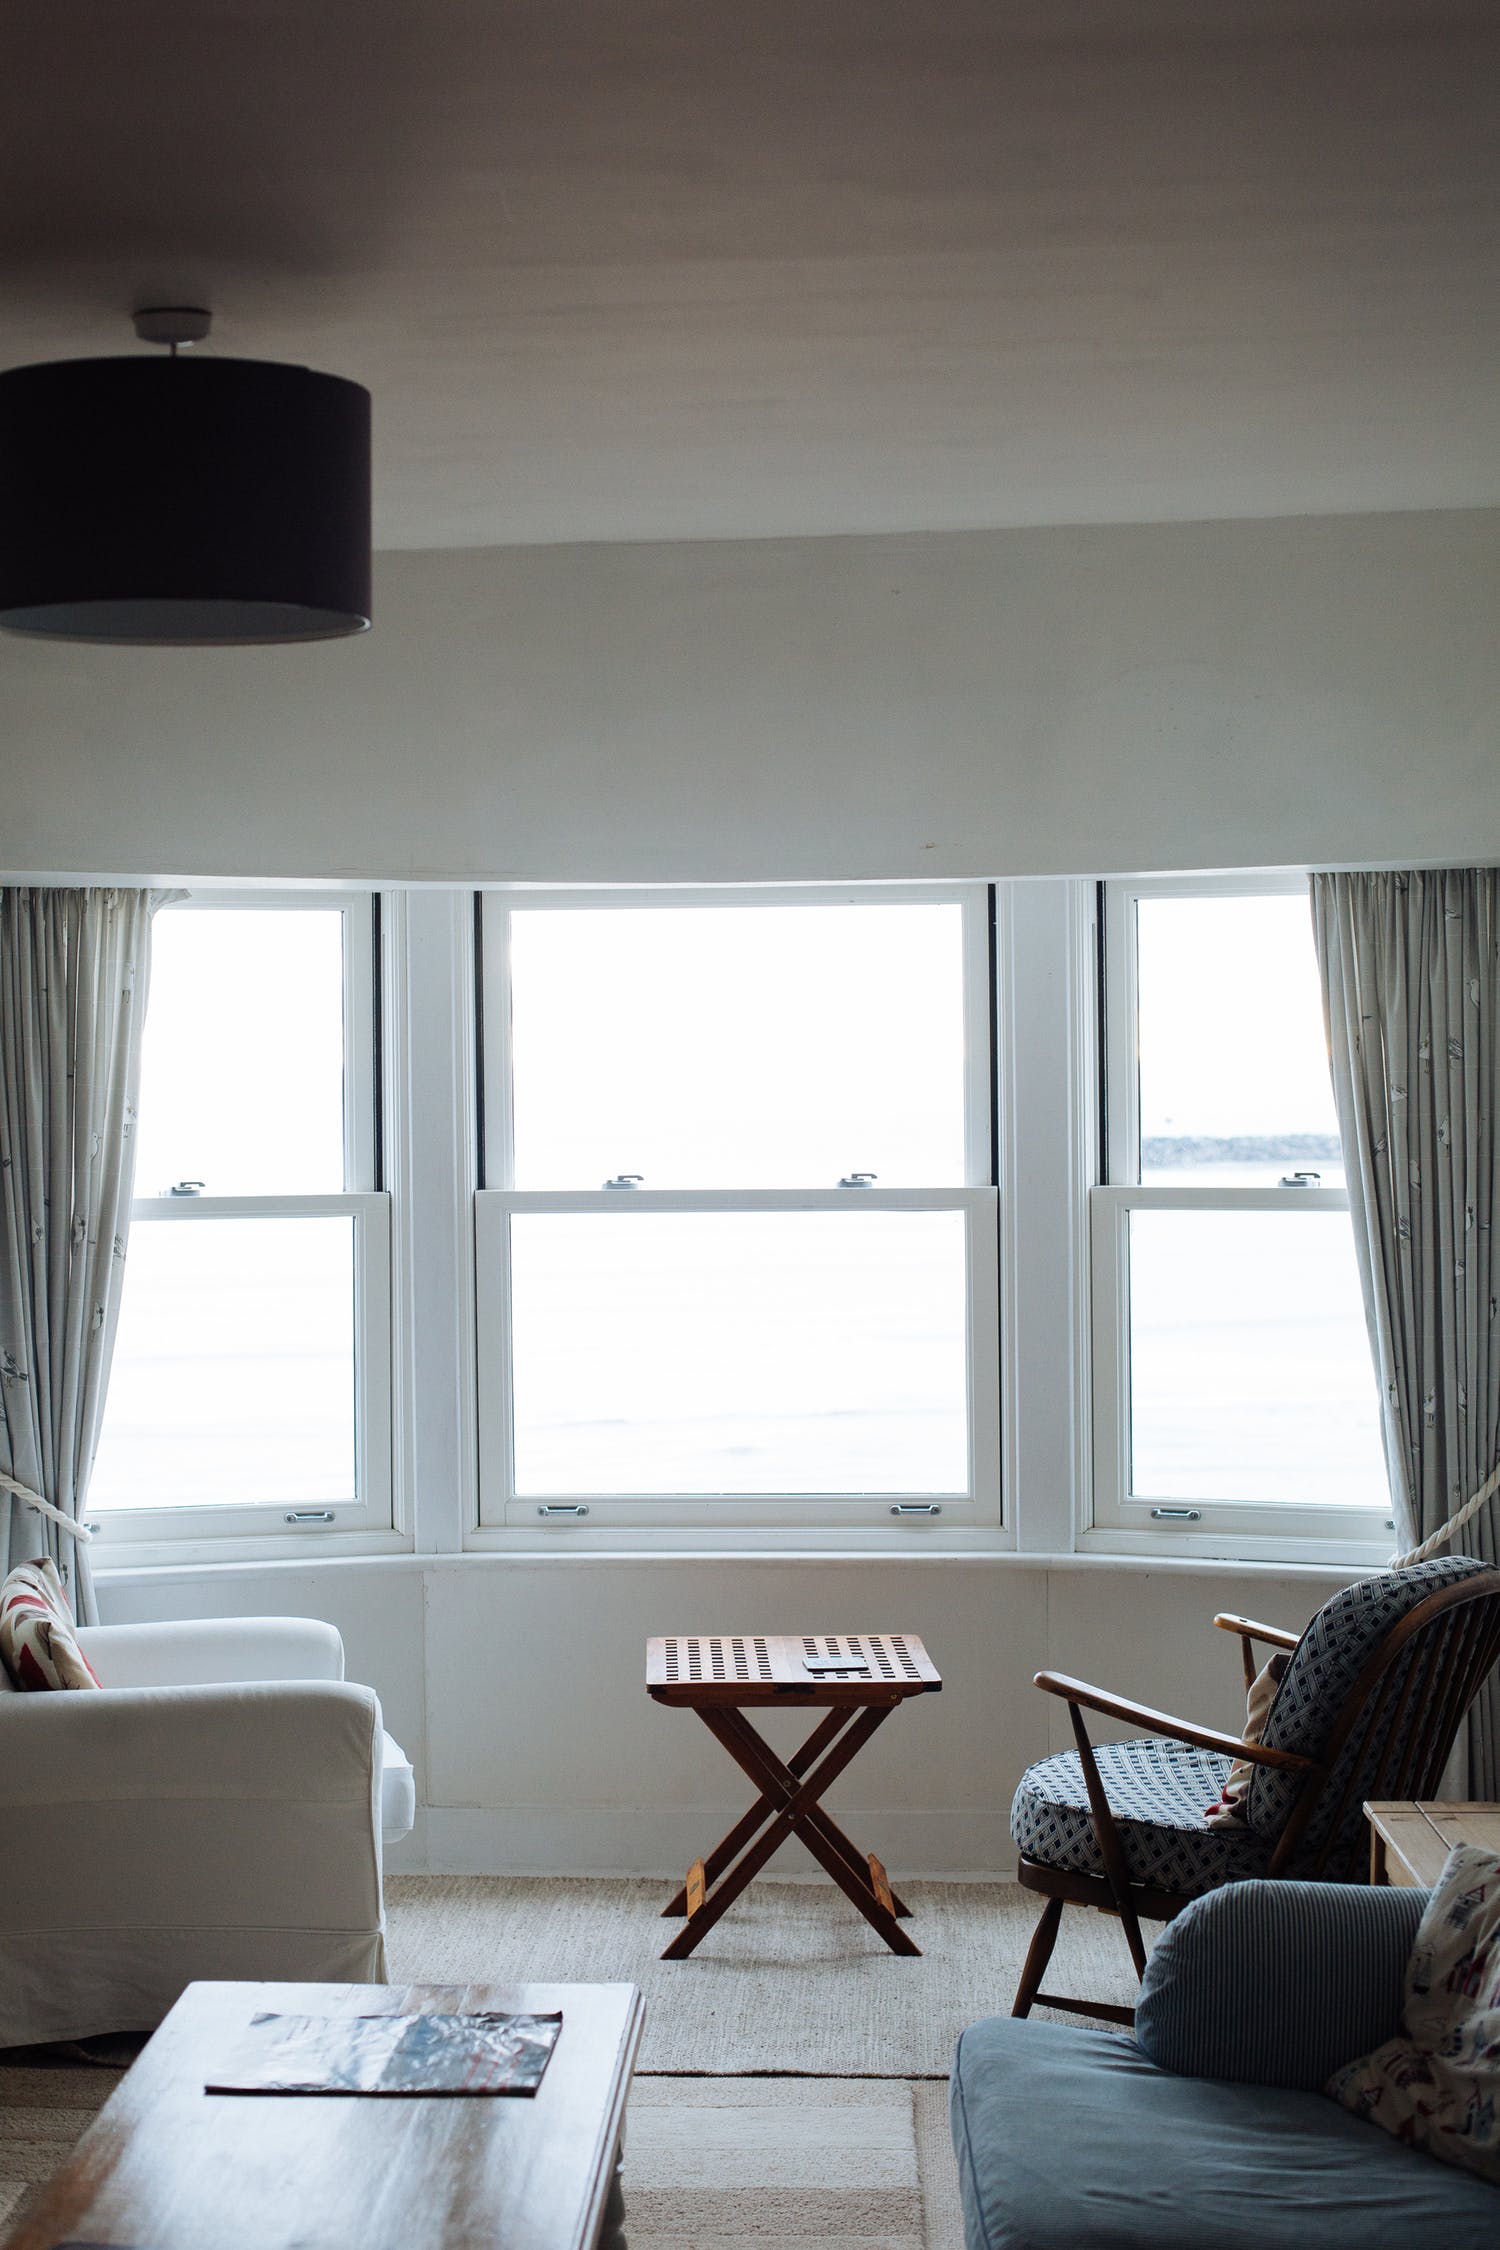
(1080, 1697)
(1079, 1693)
(1274, 1635)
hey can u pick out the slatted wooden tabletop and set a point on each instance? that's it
(740, 1669)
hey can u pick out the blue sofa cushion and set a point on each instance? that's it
(1159, 1793)
(1069, 2139)
(1277, 1984)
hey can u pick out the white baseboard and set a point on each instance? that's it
(949, 1844)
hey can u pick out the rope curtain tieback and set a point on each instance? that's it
(78, 1531)
(1455, 1522)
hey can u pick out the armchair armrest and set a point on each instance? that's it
(245, 1805)
(202, 1650)
(1079, 1694)
(287, 1739)
(1277, 1983)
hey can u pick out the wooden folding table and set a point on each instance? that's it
(857, 1679)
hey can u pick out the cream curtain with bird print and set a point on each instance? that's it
(74, 966)
(1410, 964)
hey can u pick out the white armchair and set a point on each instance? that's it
(215, 1809)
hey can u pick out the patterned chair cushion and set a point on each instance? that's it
(1159, 1793)
(1324, 1666)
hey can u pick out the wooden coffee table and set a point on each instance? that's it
(166, 2166)
(859, 1678)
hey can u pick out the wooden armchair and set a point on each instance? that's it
(1370, 1705)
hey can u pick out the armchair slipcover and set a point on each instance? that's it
(214, 1810)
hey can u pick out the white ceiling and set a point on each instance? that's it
(678, 269)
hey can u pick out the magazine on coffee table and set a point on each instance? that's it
(427, 2054)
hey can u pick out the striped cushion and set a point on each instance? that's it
(1277, 1984)
(1158, 1793)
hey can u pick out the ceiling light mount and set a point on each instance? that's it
(181, 502)
(174, 325)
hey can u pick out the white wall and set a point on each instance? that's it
(537, 1748)
(1308, 690)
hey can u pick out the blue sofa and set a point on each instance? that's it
(1206, 2130)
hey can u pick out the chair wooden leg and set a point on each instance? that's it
(1038, 1954)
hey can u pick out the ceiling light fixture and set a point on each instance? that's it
(177, 501)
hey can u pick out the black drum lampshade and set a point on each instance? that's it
(174, 501)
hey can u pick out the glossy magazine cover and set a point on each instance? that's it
(426, 2054)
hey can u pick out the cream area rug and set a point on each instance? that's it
(791, 1980)
(804, 2164)
(43, 2110)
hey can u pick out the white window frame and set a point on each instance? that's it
(147, 1535)
(781, 1520)
(1124, 1521)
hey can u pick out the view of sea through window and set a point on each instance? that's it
(1234, 1083)
(233, 1376)
(738, 1048)
(739, 1352)
(1251, 1375)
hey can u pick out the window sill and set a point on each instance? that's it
(915, 1537)
(1284, 1552)
(119, 1555)
(924, 1554)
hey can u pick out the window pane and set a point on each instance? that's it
(242, 1066)
(1234, 1082)
(743, 1352)
(1250, 1370)
(233, 1377)
(725, 1046)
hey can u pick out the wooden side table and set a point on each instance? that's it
(1409, 1841)
(857, 1679)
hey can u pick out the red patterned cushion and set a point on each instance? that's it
(37, 1642)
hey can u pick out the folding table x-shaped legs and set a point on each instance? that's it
(859, 1679)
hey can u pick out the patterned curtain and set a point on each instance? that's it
(1411, 990)
(73, 974)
